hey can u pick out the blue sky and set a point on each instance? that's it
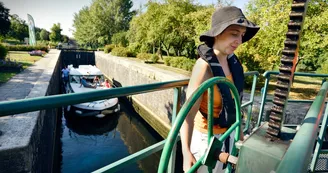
(48, 12)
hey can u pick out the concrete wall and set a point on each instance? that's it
(27, 140)
(154, 107)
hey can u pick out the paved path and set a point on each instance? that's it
(21, 84)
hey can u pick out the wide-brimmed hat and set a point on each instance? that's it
(224, 17)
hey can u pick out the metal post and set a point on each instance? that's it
(176, 109)
(263, 99)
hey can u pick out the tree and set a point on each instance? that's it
(263, 52)
(55, 35)
(65, 39)
(4, 20)
(98, 23)
(120, 39)
(82, 25)
(18, 28)
(171, 26)
(37, 33)
(314, 42)
(44, 35)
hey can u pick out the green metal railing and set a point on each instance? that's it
(171, 139)
(298, 155)
(264, 99)
(56, 101)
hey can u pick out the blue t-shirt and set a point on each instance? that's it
(65, 72)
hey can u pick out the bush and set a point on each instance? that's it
(167, 61)
(324, 68)
(3, 52)
(144, 56)
(10, 66)
(121, 51)
(147, 57)
(180, 62)
(27, 48)
(154, 58)
(109, 48)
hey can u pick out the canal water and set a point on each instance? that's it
(87, 144)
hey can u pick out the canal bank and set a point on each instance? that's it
(27, 140)
(154, 107)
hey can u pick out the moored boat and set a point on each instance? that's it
(88, 78)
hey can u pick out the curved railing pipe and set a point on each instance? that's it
(184, 112)
(298, 155)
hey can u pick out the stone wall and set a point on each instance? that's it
(27, 140)
(154, 107)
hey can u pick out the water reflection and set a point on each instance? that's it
(90, 143)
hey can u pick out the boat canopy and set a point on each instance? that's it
(84, 70)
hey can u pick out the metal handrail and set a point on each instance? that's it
(55, 101)
(319, 142)
(264, 99)
(207, 85)
(298, 155)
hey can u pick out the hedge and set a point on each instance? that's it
(3, 52)
(180, 62)
(109, 48)
(27, 48)
(147, 57)
(122, 51)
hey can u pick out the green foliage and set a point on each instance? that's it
(323, 61)
(147, 57)
(109, 48)
(120, 39)
(3, 52)
(4, 20)
(172, 26)
(154, 58)
(44, 35)
(55, 35)
(263, 52)
(180, 62)
(37, 33)
(144, 56)
(96, 24)
(18, 28)
(26, 48)
(65, 39)
(314, 42)
(122, 51)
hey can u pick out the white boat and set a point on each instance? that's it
(95, 108)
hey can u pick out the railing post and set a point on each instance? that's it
(210, 114)
(176, 109)
(267, 78)
(249, 110)
(319, 141)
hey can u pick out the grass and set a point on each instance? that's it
(23, 57)
(303, 88)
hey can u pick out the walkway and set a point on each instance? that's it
(20, 86)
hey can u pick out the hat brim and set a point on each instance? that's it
(251, 30)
